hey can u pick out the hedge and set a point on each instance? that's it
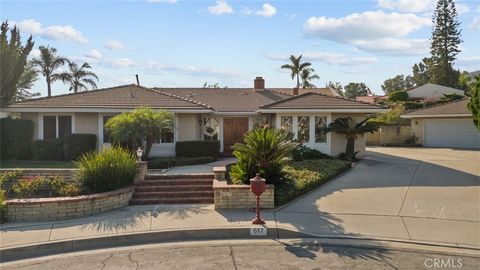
(48, 149)
(16, 138)
(197, 149)
(398, 96)
(75, 145)
(168, 162)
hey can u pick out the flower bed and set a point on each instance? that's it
(67, 207)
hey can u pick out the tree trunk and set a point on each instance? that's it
(298, 80)
(148, 147)
(49, 87)
(350, 149)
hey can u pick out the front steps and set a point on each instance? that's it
(174, 189)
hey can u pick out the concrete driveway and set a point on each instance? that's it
(427, 194)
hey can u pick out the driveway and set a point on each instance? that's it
(427, 194)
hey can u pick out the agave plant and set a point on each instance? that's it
(351, 129)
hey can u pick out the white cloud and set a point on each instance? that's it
(114, 45)
(415, 6)
(462, 8)
(222, 7)
(35, 53)
(154, 67)
(267, 11)
(394, 46)
(55, 32)
(329, 58)
(95, 54)
(119, 62)
(475, 24)
(162, 1)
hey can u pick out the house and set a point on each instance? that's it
(223, 114)
(445, 125)
(432, 92)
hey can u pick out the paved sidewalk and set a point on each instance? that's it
(203, 168)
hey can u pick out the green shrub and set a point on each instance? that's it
(303, 152)
(398, 96)
(39, 186)
(168, 162)
(449, 97)
(48, 149)
(68, 190)
(29, 187)
(197, 149)
(16, 137)
(412, 140)
(263, 151)
(3, 206)
(412, 105)
(76, 145)
(111, 168)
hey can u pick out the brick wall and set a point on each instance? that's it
(389, 135)
(240, 196)
(67, 207)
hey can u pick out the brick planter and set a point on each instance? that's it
(240, 196)
(67, 207)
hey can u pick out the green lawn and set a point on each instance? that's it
(35, 164)
(303, 176)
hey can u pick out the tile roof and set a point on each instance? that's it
(318, 101)
(289, 91)
(125, 96)
(228, 99)
(453, 108)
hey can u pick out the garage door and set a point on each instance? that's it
(451, 133)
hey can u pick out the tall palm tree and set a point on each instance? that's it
(79, 77)
(347, 126)
(296, 67)
(307, 75)
(48, 62)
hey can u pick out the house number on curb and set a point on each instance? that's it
(258, 231)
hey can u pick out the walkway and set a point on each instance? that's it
(203, 168)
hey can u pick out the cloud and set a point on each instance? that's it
(371, 31)
(118, 63)
(114, 45)
(415, 6)
(267, 11)
(475, 24)
(54, 32)
(35, 53)
(329, 58)
(462, 8)
(222, 7)
(94, 54)
(162, 1)
(154, 67)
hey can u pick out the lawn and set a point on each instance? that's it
(302, 176)
(35, 164)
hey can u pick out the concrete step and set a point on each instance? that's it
(192, 200)
(161, 188)
(172, 194)
(180, 181)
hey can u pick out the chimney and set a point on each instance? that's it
(138, 81)
(258, 84)
(295, 91)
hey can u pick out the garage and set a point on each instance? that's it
(445, 125)
(459, 133)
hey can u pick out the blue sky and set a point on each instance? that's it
(185, 43)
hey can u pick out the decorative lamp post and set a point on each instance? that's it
(257, 186)
(139, 153)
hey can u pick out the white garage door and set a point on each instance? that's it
(451, 133)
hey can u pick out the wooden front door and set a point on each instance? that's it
(233, 130)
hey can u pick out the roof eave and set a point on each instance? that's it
(436, 115)
(286, 110)
(100, 109)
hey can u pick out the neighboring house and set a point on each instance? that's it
(223, 114)
(432, 91)
(445, 125)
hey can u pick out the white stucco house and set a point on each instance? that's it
(200, 114)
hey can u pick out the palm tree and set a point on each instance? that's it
(296, 66)
(347, 126)
(307, 75)
(48, 62)
(79, 77)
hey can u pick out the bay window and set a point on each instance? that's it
(303, 131)
(286, 123)
(320, 124)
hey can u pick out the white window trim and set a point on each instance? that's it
(175, 136)
(311, 139)
(40, 123)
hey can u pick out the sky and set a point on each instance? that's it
(176, 43)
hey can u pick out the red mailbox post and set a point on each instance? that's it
(257, 186)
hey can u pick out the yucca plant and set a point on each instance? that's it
(351, 129)
(263, 151)
(111, 168)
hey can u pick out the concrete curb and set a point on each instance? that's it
(155, 237)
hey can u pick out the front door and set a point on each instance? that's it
(233, 130)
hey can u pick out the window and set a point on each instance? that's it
(260, 121)
(320, 123)
(303, 134)
(211, 129)
(64, 125)
(49, 127)
(107, 137)
(166, 134)
(286, 123)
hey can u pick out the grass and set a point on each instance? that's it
(301, 177)
(35, 164)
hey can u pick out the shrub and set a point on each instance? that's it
(3, 206)
(16, 137)
(48, 149)
(111, 168)
(263, 152)
(412, 140)
(303, 152)
(197, 149)
(412, 105)
(398, 96)
(40, 186)
(449, 97)
(29, 187)
(70, 190)
(76, 145)
(168, 162)
(390, 118)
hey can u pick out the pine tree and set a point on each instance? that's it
(445, 40)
